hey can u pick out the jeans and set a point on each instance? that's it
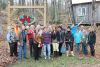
(22, 51)
(36, 52)
(78, 48)
(84, 49)
(60, 46)
(69, 44)
(31, 43)
(92, 49)
(47, 50)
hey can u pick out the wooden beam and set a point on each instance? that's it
(40, 12)
(8, 14)
(45, 17)
(11, 11)
(27, 7)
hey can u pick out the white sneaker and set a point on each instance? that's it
(72, 53)
(45, 58)
(67, 53)
(49, 58)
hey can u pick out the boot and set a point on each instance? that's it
(67, 53)
(72, 53)
(93, 53)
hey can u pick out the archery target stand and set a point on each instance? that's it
(10, 11)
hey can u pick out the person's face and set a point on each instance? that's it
(46, 29)
(12, 29)
(23, 27)
(59, 29)
(17, 25)
(72, 24)
(68, 29)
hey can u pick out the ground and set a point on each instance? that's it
(6, 61)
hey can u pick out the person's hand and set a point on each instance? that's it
(27, 43)
(19, 43)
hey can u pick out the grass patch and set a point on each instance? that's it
(56, 62)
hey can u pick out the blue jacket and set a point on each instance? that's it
(78, 37)
(74, 29)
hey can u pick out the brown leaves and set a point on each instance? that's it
(5, 58)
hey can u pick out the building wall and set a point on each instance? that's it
(84, 12)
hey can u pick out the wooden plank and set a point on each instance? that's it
(45, 17)
(27, 6)
(40, 12)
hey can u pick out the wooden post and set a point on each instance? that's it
(8, 20)
(45, 17)
(11, 7)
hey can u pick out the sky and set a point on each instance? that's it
(81, 1)
(78, 1)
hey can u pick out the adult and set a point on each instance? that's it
(47, 42)
(92, 41)
(22, 43)
(69, 40)
(60, 38)
(31, 35)
(12, 39)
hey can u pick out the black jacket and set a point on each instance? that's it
(92, 38)
(60, 36)
(69, 37)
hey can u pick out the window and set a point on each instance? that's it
(81, 11)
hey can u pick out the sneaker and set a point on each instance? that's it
(72, 53)
(67, 53)
(49, 58)
(45, 58)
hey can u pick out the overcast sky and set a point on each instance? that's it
(81, 1)
(78, 1)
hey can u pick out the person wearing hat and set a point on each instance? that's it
(69, 40)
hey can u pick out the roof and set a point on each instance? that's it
(90, 2)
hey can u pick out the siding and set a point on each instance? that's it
(88, 16)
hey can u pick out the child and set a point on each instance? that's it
(92, 41)
(69, 40)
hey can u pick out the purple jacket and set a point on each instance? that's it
(46, 37)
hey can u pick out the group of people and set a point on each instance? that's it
(50, 39)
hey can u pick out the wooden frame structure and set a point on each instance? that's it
(10, 11)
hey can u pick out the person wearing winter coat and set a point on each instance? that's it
(69, 40)
(47, 43)
(22, 43)
(12, 39)
(77, 40)
(84, 42)
(60, 38)
(92, 41)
